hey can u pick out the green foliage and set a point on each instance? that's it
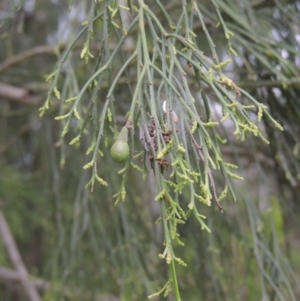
(167, 137)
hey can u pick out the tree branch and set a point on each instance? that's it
(18, 94)
(11, 275)
(28, 54)
(16, 260)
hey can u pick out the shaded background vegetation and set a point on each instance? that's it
(86, 248)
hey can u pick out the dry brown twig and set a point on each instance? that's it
(18, 94)
(9, 275)
(16, 260)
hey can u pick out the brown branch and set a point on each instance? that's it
(16, 260)
(18, 94)
(11, 275)
(39, 50)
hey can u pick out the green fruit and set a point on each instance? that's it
(119, 151)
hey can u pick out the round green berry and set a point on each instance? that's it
(119, 151)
